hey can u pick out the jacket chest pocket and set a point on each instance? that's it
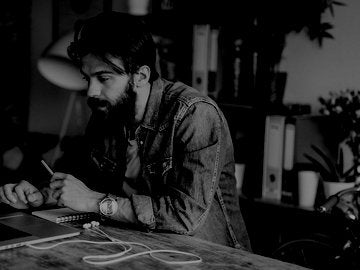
(159, 168)
(104, 164)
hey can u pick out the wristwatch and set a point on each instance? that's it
(108, 206)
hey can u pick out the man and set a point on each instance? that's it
(160, 153)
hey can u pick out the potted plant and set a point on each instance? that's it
(333, 175)
(343, 107)
(274, 21)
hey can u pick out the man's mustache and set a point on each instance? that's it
(96, 103)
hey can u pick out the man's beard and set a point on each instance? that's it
(124, 108)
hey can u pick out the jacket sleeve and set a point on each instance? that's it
(192, 181)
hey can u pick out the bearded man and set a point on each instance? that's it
(160, 155)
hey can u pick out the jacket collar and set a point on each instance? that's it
(153, 105)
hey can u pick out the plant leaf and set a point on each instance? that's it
(326, 26)
(338, 3)
(327, 160)
(327, 35)
(326, 174)
(347, 173)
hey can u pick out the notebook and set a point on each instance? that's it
(63, 214)
(19, 228)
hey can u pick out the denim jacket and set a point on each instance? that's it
(186, 183)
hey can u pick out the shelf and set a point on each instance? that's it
(236, 106)
(276, 203)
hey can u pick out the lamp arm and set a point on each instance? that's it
(64, 126)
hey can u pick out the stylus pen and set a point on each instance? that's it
(47, 167)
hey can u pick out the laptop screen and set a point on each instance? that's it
(8, 233)
(18, 229)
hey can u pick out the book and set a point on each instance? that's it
(273, 157)
(64, 214)
(201, 45)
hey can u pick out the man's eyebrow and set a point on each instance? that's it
(101, 72)
(97, 73)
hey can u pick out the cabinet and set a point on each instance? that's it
(270, 224)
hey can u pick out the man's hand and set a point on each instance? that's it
(73, 193)
(21, 195)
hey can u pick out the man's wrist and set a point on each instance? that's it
(94, 205)
(108, 205)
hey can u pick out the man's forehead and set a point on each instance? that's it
(92, 63)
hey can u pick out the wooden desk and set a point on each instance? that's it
(69, 256)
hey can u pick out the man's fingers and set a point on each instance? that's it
(20, 194)
(35, 196)
(58, 176)
(3, 197)
(56, 194)
(35, 199)
(57, 184)
(9, 194)
(60, 203)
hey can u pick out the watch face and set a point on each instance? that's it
(108, 206)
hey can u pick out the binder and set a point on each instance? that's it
(213, 64)
(289, 183)
(289, 144)
(64, 214)
(201, 44)
(273, 157)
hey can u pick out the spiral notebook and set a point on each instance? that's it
(64, 214)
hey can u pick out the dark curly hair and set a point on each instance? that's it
(116, 34)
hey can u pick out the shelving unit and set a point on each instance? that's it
(243, 52)
(172, 27)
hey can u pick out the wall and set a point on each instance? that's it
(48, 103)
(314, 71)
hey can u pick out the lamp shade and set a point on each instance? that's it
(56, 66)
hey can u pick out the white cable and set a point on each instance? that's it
(150, 252)
(198, 260)
(73, 241)
(119, 257)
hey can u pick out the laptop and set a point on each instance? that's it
(18, 229)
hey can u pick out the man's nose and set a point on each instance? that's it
(94, 90)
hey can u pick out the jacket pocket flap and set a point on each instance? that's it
(160, 167)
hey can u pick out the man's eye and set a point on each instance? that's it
(85, 78)
(103, 79)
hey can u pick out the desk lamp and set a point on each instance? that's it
(56, 66)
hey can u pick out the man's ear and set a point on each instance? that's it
(142, 76)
